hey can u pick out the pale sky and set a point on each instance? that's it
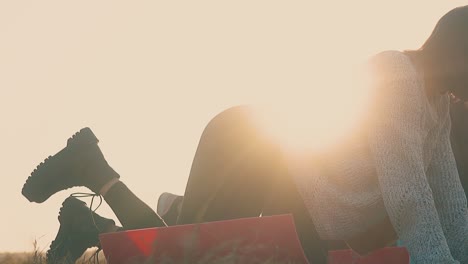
(147, 76)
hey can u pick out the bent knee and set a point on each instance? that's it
(237, 118)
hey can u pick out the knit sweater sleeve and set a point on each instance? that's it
(448, 193)
(396, 143)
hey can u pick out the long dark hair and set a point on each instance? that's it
(450, 35)
(445, 53)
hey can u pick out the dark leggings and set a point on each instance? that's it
(236, 172)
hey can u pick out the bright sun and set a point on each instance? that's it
(315, 119)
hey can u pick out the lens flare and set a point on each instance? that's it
(317, 119)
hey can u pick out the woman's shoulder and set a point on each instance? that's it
(394, 77)
(390, 67)
(390, 54)
(391, 62)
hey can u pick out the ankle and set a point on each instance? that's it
(100, 177)
(107, 186)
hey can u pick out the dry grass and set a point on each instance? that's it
(38, 257)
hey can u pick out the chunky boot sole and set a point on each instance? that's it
(53, 174)
(77, 232)
(59, 248)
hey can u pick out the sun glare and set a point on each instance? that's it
(318, 118)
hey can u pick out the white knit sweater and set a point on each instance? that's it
(401, 166)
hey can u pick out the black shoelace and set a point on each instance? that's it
(91, 210)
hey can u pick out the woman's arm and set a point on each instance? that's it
(395, 139)
(449, 195)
